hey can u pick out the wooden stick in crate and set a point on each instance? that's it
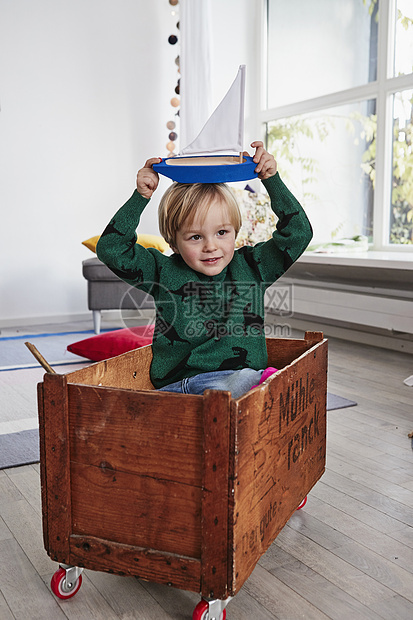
(39, 358)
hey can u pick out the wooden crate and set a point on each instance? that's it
(177, 489)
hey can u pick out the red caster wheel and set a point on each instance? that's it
(303, 503)
(63, 589)
(201, 612)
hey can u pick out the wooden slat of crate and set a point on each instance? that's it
(40, 406)
(153, 434)
(136, 467)
(215, 489)
(169, 569)
(136, 510)
(279, 455)
(283, 351)
(129, 370)
(55, 467)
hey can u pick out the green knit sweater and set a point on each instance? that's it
(206, 323)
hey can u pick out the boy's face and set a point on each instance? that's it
(209, 246)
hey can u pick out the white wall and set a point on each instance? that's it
(84, 93)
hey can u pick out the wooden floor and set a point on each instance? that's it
(347, 555)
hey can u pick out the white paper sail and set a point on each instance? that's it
(224, 130)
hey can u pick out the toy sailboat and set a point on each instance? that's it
(203, 161)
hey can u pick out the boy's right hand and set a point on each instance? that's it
(147, 179)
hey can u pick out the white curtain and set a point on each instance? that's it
(195, 62)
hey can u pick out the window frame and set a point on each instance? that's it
(382, 90)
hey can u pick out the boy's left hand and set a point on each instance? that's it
(266, 164)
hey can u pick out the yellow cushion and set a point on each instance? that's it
(147, 241)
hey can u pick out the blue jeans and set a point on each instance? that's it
(235, 381)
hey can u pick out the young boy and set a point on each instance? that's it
(209, 297)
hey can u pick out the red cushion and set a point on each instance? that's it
(110, 344)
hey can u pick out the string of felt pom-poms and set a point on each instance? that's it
(175, 101)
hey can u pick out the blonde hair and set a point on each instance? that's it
(182, 202)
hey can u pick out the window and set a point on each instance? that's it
(339, 114)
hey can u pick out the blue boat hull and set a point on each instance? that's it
(208, 174)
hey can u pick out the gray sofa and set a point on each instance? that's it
(105, 291)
